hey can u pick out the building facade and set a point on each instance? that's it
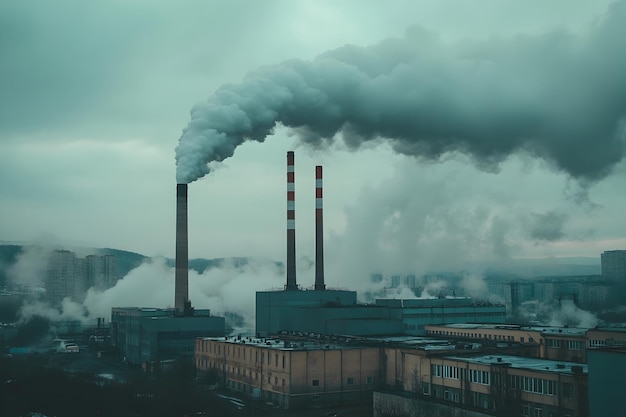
(330, 371)
(606, 382)
(614, 265)
(292, 374)
(489, 385)
(337, 312)
(70, 276)
(555, 343)
(151, 334)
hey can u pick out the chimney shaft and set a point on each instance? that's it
(319, 231)
(291, 224)
(181, 292)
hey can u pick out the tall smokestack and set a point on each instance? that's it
(181, 292)
(291, 224)
(319, 231)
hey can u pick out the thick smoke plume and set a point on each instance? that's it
(558, 96)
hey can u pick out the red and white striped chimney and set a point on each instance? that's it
(319, 231)
(291, 224)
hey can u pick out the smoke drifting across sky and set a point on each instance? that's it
(557, 96)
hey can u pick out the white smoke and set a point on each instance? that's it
(569, 314)
(556, 96)
(29, 269)
(228, 289)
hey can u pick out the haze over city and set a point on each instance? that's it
(468, 254)
(95, 98)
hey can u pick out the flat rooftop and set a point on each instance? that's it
(520, 362)
(563, 331)
(336, 342)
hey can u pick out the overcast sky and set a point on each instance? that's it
(506, 142)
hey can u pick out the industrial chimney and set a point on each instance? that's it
(319, 231)
(291, 225)
(181, 292)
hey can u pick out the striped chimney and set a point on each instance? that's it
(291, 224)
(319, 231)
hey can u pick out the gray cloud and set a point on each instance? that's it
(548, 226)
(556, 96)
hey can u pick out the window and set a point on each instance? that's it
(283, 382)
(446, 395)
(316, 383)
(576, 344)
(553, 343)
(425, 388)
(350, 381)
(479, 377)
(451, 372)
(276, 360)
(436, 370)
(283, 361)
(369, 380)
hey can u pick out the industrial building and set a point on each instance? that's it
(152, 334)
(407, 373)
(329, 311)
(293, 373)
(555, 343)
(155, 334)
(485, 385)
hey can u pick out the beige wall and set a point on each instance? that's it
(266, 367)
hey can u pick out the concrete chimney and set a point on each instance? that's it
(181, 291)
(319, 231)
(291, 224)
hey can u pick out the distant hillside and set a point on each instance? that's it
(125, 260)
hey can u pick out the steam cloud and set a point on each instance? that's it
(558, 96)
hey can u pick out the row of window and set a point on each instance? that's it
(538, 385)
(242, 353)
(478, 335)
(485, 401)
(571, 344)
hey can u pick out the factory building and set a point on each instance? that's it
(329, 311)
(151, 334)
(556, 343)
(413, 374)
(145, 335)
(485, 385)
(292, 373)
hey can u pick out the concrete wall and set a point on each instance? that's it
(386, 404)
(606, 382)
